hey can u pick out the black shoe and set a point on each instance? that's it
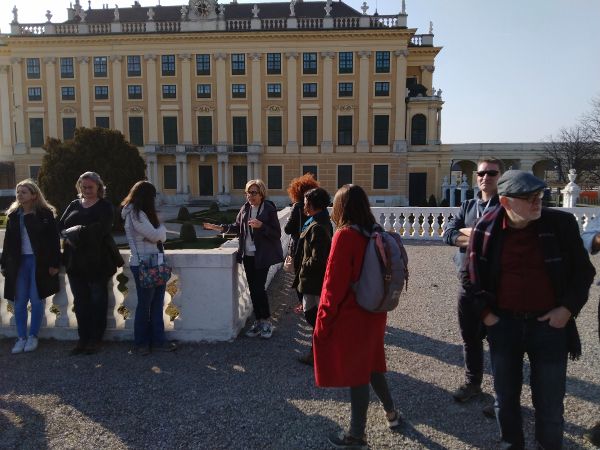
(92, 348)
(142, 350)
(79, 349)
(466, 392)
(166, 347)
(593, 435)
(344, 440)
(489, 411)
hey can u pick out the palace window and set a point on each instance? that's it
(418, 130)
(382, 89)
(274, 131)
(67, 69)
(67, 93)
(34, 94)
(169, 91)
(101, 92)
(170, 177)
(134, 91)
(238, 90)
(103, 122)
(238, 64)
(344, 175)
(203, 64)
(346, 62)
(381, 176)
(240, 134)
(68, 124)
(240, 177)
(344, 130)
(170, 135)
(310, 168)
(381, 129)
(167, 65)
(205, 130)
(274, 90)
(203, 91)
(134, 66)
(309, 90)
(33, 68)
(309, 63)
(309, 130)
(273, 63)
(382, 62)
(36, 131)
(100, 66)
(345, 89)
(275, 177)
(136, 131)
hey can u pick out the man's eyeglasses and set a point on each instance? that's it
(532, 198)
(489, 173)
(252, 193)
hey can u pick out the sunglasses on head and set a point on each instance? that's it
(489, 173)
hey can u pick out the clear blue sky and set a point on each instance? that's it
(510, 71)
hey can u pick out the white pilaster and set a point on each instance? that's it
(256, 100)
(20, 146)
(117, 96)
(292, 86)
(50, 62)
(221, 74)
(186, 97)
(151, 93)
(84, 90)
(328, 92)
(363, 103)
(5, 111)
(400, 144)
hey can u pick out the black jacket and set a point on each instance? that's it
(267, 238)
(43, 235)
(88, 229)
(313, 251)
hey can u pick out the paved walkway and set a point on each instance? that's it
(253, 394)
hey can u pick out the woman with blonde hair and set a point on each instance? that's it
(30, 260)
(86, 225)
(348, 340)
(259, 248)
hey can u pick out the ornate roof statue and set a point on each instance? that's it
(202, 9)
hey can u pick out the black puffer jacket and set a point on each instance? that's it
(43, 235)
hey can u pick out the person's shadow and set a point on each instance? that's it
(21, 426)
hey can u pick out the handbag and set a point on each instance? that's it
(156, 272)
(288, 264)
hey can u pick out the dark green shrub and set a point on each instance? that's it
(432, 201)
(445, 203)
(187, 232)
(214, 207)
(183, 214)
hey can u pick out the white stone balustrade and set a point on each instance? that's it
(208, 292)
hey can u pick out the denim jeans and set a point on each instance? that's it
(256, 283)
(472, 333)
(90, 298)
(148, 325)
(26, 291)
(546, 348)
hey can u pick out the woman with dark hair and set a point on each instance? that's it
(296, 190)
(259, 247)
(145, 236)
(311, 256)
(85, 226)
(30, 260)
(348, 340)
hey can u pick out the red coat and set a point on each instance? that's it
(348, 340)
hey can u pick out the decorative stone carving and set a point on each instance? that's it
(255, 56)
(202, 9)
(326, 55)
(49, 60)
(292, 8)
(48, 16)
(364, 8)
(439, 93)
(116, 14)
(430, 27)
(204, 108)
(273, 108)
(136, 109)
(15, 13)
(290, 55)
(116, 58)
(149, 57)
(429, 68)
(328, 8)
(5, 68)
(83, 59)
(364, 54)
(403, 52)
(403, 7)
(344, 108)
(222, 11)
(184, 12)
(255, 11)
(15, 60)
(185, 56)
(220, 56)
(68, 110)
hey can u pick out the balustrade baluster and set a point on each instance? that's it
(129, 301)
(64, 318)
(5, 315)
(386, 222)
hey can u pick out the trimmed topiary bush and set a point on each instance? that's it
(432, 202)
(183, 214)
(187, 232)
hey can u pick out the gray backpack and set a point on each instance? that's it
(384, 271)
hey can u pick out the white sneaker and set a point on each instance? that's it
(266, 330)
(19, 346)
(31, 344)
(254, 330)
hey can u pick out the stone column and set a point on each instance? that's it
(256, 102)
(182, 170)
(439, 125)
(50, 62)
(151, 93)
(84, 90)
(223, 195)
(5, 111)
(328, 92)
(431, 124)
(152, 168)
(427, 77)
(292, 107)
(186, 97)
(363, 103)
(526, 164)
(400, 144)
(221, 73)
(118, 93)
(19, 114)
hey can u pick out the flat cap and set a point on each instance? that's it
(517, 183)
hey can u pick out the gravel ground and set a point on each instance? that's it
(253, 394)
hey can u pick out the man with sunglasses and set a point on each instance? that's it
(528, 275)
(457, 234)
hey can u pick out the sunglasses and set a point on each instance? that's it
(489, 173)
(252, 193)
(532, 198)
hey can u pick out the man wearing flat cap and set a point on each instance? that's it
(529, 275)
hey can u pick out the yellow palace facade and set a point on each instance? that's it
(215, 94)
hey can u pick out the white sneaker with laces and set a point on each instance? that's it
(31, 344)
(266, 330)
(19, 346)
(254, 330)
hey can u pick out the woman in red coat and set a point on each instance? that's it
(348, 340)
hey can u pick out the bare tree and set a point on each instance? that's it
(575, 149)
(591, 121)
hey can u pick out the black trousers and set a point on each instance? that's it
(311, 316)
(472, 332)
(359, 402)
(91, 306)
(256, 282)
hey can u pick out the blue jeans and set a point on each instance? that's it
(26, 291)
(546, 348)
(148, 325)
